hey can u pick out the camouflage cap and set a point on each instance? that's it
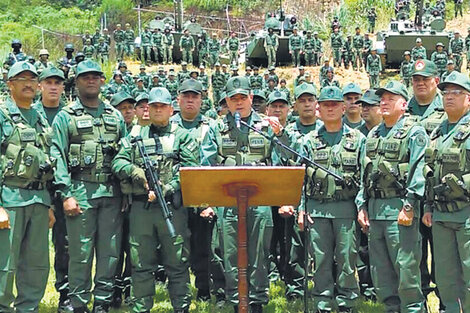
(88, 66)
(237, 85)
(450, 62)
(223, 94)
(418, 40)
(277, 95)
(271, 68)
(43, 52)
(184, 63)
(217, 64)
(456, 78)
(331, 93)
(301, 68)
(234, 68)
(51, 71)
(394, 87)
(440, 44)
(160, 95)
(305, 88)
(120, 97)
(352, 88)
(407, 53)
(224, 65)
(259, 93)
(141, 97)
(190, 85)
(370, 97)
(161, 69)
(20, 67)
(424, 68)
(142, 67)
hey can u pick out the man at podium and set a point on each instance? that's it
(235, 145)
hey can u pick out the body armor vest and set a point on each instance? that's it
(342, 158)
(93, 143)
(432, 121)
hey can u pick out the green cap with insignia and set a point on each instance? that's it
(424, 68)
(20, 67)
(331, 93)
(51, 71)
(222, 97)
(88, 66)
(303, 89)
(394, 87)
(259, 93)
(352, 88)
(141, 97)
(120, 97)
(190, 85)
(237, 85)
(370, 97)
(160, 95)
(456, 78)
(277, 95)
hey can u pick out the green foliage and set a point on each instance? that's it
(117, 10)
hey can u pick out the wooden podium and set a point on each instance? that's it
(241, 187)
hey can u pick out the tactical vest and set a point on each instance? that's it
(257, 150)
(170, 41)
(387, 163)
(161, 153)
(93, 143)
(406, 69)
(432, 121)
(157, 39)
(309, 44)
(186, 42)
(233, 44)
(374, 64)
(271, 40)
(323, 187)
(25, 153)
(440, 59)
(336, 41)
(295, 41)
(447, 171)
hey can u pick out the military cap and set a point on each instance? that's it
(424, 68)
(234, 68)
(331, 93)
(248, 68)
(295, 28)
(142, 67)
(407, 53)
(161, 68)
(217, 64)
(237, 85)
(160, 95)
(43, 52)
(255, 68)
(370, 97)
(456, 78)
(271, 78)
(201, 67)
(184, 63)
(120, 97)
(224, 65)
(20, 67)
(271, 68)
(88, 66)
(418, 40)
(140, 79)
(223, 94)
(456, 32)
(440, 44)
(122, 64)
(305, 88)
(307, 74)
(141, 97)
(449, 62)
(193, 71)
(309, 31)
(51, 71)
(352, 88)
(394, 87)
(171, 73)
(301, 68)
(315, 33)
(259, 93)
(190, 85)
(118, 25)
(277, 95)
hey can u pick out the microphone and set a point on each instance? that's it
(237, 119)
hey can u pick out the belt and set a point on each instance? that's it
(30, 186)
(96, 178)
(386, 193)
(451, 206)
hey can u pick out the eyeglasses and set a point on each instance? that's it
(454, 92)
(25, 80)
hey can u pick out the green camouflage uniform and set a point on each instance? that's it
(187, 45)
(120, 40)
(295, 46)
(214, 51)
(440, 59)
(233, 45)
(406, 68)
(418, 52)
(336, 41)
(170, 42)
(456, 47)
(129, 38)
(373, 68)
(271, 43)
(358, 44)
(309, 50)
(146, 46)
(158, 46)
(218, 81)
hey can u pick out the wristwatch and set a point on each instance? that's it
(408, 208)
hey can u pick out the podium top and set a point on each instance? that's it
(217, 186)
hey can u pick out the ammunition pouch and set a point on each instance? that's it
(451, 190)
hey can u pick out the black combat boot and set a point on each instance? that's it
(256, 308)
(182, 310)
(116, 300)
(65, 305)
(100, 307)
(82, 309)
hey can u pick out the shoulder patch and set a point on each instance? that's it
(421, 140)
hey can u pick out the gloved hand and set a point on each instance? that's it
(138, 177)
(168, 190)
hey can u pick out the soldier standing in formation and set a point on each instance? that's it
(271, 43)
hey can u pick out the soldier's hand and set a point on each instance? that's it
(138, 177)
(152, 196)
(427, 219)
(405, 218)
(286, 211)
(275, 124)
(363, 219)
(51, 218)
(4, 219)
(124, 204)
(71, 207)
(208, 213)
(300, 220)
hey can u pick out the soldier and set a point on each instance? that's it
(406, 68)
(330, 79)
(215, 151)
(187, 47)
(347, 52)
(248, 71)
(16, 55)
(446, 207)
(259, 101)
(129, 38)
(458, 7)
(140, 88)
(170, 42)
(116, 85)
(144, 76)
(218, 81)
(88, 49)
(336, 41)
(207, 107)
(273, 74)
(373, 68)
(439, 57)
(214, 50)
(295, 47)
(352, 110)
(158, 45)
(171, 84)
(418, 51)
(371, 17)
(95, 40)
(225, 72)
(184, 73)
(456, 47)
(141, 109)
(203, 77)
(106, 36)
(271, 86)
(332, 141)
(467, 47)
(233, 46)
(146, 45)
(203, 53)
(278, 106)
(392, 184)
(103, 50)
(120, 41)
(358, 44)
(234, 70)
(155, 82)
(324, 70)
(271, 43)
(161, 75)
(370, 113)
(301, 74)
(449, 69)
(90, 195)
(124, 103)
(25, 207)
(170, 147)
(86, 37)
(318, 49)
(43, 61)
(308, 49)
(283, 88)
(368, 44)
